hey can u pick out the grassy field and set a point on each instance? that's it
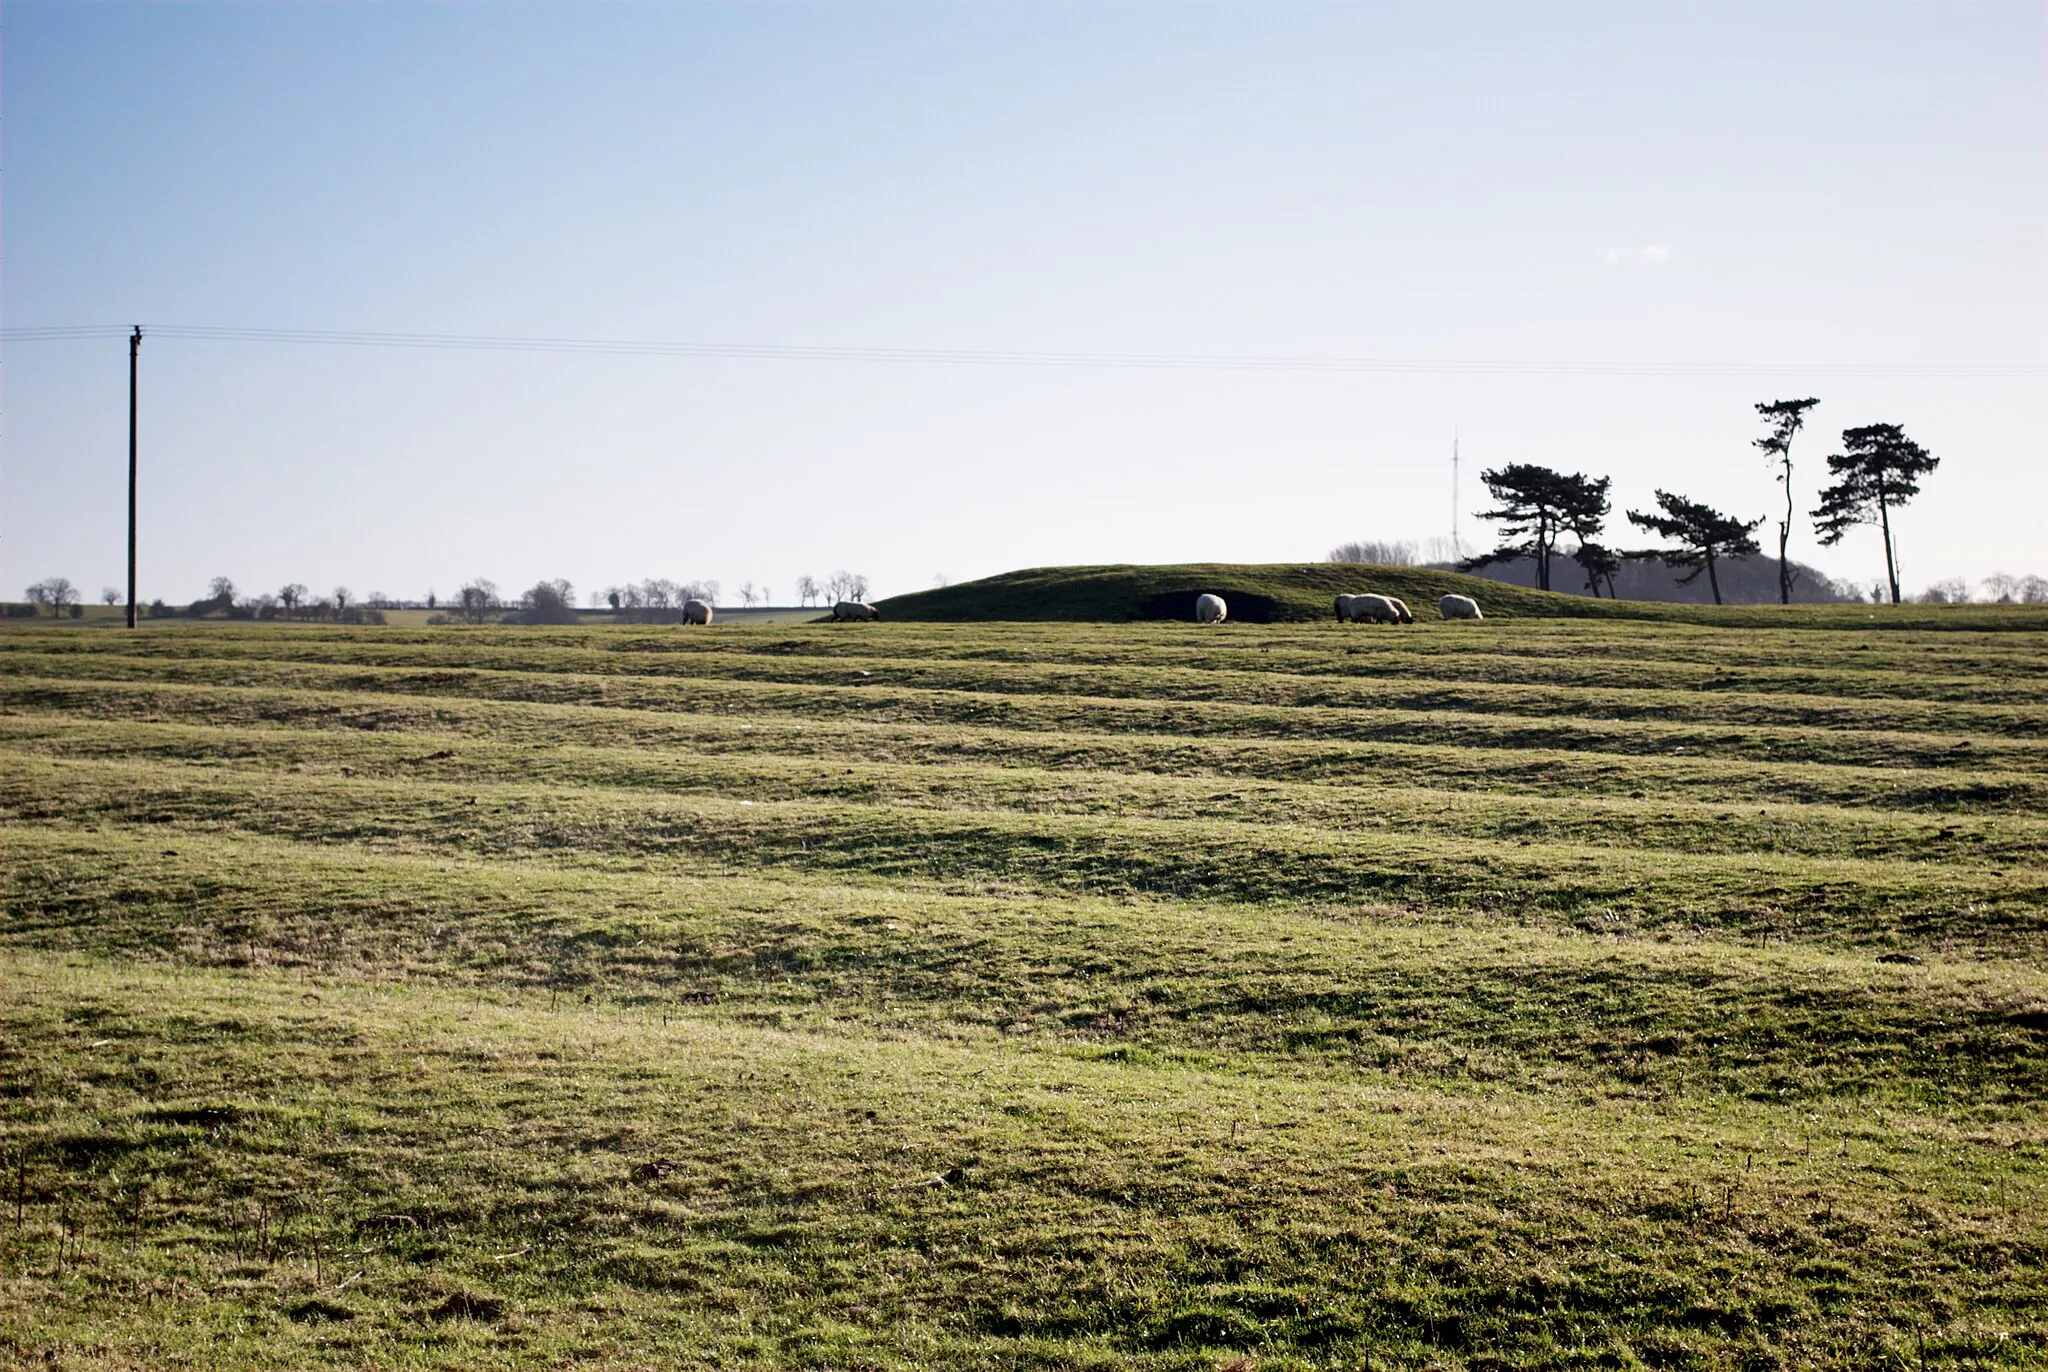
(1531, 993)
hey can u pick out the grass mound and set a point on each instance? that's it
(1296, 592)
(1258, 594)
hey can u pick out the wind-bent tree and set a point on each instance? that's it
(1705, 536)
(1879, 469)
(1536, 505)
(1584, 518)
(1599, 564)
(1785, 418)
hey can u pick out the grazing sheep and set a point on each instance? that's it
(1372, 609)
(696, 612)
(1458, 607)
(1343, 607)
(1210, 609)
(854, 610)
(1402, 606)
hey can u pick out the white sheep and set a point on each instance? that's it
(1372, 609)
(1458, 607)
(854, 610)
(1210, 609)
(696, 612)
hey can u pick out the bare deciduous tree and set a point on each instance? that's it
(1954, 591)
(479, 598)
(658, 600)
(549, 602)
(806, 589)
(845, 585)
(57, 592)
(1375, 552)
(2006, 589)
(109, 596)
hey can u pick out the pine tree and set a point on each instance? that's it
(1879, 470)
(1536, 505)
(1704, 534)
(1785, 418)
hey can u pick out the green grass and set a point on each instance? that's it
(1535, 993)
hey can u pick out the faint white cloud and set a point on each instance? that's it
(1649, 255)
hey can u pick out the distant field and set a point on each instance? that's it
(1530, 993)
(98, 616)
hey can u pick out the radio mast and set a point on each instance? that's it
(1457, 547)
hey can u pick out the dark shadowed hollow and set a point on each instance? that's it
(1246, 607)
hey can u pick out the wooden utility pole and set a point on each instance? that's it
(134, 351)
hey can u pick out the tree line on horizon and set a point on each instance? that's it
(479, 601)
(292, 601)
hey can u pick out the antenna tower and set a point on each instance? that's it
(1457, 547)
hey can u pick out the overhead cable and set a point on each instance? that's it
(1026, 358)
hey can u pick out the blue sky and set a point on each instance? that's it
(1782, 186)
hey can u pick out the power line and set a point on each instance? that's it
(61, 331)
(1024, 358)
